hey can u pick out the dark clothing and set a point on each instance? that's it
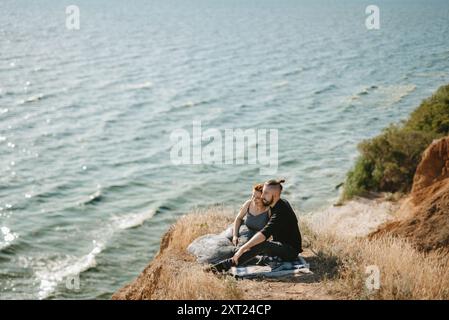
(272, 249)
(256, 222)
(286, 243)
(283, 226)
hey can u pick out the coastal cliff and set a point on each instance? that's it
(423, 217)
(394, 216)
(339, 242)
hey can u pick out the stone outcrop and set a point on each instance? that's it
(424, 216)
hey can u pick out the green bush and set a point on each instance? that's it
(388, 161)
(433, 114)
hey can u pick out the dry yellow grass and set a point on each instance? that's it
(340, 263)
(200, 222)
(194, 283)
(174, 274)
(405, 273)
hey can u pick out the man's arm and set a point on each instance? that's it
(260, 236)
(255, 240)
(272, 226)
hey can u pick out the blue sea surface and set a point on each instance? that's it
(87, 185)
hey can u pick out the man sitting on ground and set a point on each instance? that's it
(282, 227)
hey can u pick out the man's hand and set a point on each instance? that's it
(237, 255)
(235, 240)
(255, 240)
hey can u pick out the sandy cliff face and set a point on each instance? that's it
(145, 286)
(432, 172)
(173, 273)
(424, 216)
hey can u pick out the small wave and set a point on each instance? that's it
(190, 104)
(293, 72)
(280, 84)
(363, 92)
(138, 86)
(325, 89)
(163, 208)
(93, 198)
(51, 272)
(396, 93)
(8, 237)
(132, 220)
(434, 74)
(385, 95)
(31, 99)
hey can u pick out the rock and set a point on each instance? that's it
(424, 216)
(433, 168)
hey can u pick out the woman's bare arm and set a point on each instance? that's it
(238, 220)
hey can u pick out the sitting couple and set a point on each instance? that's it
(273, 227)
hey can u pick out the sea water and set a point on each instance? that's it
(87, 185)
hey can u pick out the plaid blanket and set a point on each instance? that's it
(272, 267)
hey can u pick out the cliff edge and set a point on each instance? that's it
(409, 247)
(424, 216)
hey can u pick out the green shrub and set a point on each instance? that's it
(433, 114)
(360, 179)
(388, 161)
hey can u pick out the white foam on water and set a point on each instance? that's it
(8, 237)
(132, 220)
(50, 272)
(384, 95)
(396, 93)
(37, 97)
(280, 84)
(143, 85)
(91, 198)
(436, 74)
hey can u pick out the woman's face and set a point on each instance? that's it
(257, 197)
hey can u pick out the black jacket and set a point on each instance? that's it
(283, 225)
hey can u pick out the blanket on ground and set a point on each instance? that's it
(276, 268)
(212, 248)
